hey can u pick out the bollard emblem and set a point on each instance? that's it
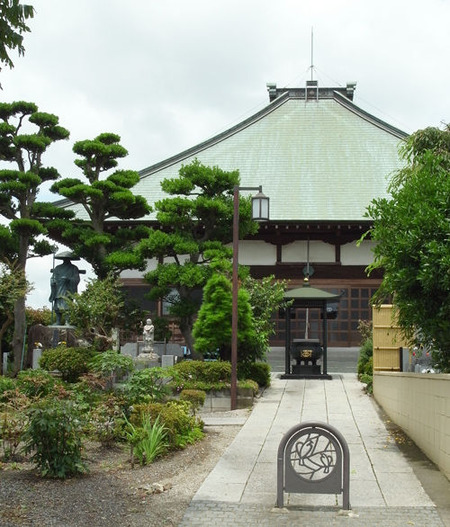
(313, 458)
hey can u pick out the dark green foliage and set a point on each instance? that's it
(150, 384)
(71, 362)
(13, 16)
(266, 296)
(256, 371)
(365, 358)
(162, 330)
(196, 224)
(54, 438)
(107, 250)
(188, 373)
(411, 231)
(212, 329)
(19, 188)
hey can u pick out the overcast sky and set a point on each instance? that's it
(168, 74)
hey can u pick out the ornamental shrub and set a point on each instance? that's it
(150, 384)
(147, 441)
(182, 427)
(255, 371)
(13, 422)
(207, 372)
(6, 385)
(106, 422)
(35, 383)
(195, 397)
(71, 362)
(54, 438)
(111, 364)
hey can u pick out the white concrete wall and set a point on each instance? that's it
(420, 405)
(257, 252)
(352, 254)
(318, 252)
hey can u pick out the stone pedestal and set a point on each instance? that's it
(146, 360)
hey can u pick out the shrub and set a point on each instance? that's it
(71, 362)
(195, 397)
(54, 438)
(111, 364)
(182, 428)
(148, 441)
(365, 354)
(149, 384)
(13, 422)
(35, 383)
(187, 374)
(256, 371)
(107, 422)
(6, 385)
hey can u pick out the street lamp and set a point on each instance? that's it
(260, 212)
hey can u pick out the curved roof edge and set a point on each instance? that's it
(272, 106)
(216, 138)
(341, 99)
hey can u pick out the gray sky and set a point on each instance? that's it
(168, 74)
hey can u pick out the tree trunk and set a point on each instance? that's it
(20, 327)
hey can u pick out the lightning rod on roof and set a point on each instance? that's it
(312, 54)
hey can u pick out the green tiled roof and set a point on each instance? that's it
(317, 160)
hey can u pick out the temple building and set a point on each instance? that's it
(321, 159)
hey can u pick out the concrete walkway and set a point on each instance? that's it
(242, 488)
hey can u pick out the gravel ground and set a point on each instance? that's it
(112, 493)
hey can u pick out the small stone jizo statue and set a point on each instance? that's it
(149, 336)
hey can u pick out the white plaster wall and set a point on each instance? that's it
(257, 252)
(420, 404)
(351, 254)
(134, 273)
(318, 252)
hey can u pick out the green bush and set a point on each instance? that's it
(54, 438)
(150, 384)
(71, 362)
(111, 364)
(365, 354)
(148, 441)
(182, 428)
(256, 371)
(35, 383)
(207, 372)
(195, 397)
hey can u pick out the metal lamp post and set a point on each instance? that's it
(260, 212)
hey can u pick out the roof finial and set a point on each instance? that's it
(312, 54)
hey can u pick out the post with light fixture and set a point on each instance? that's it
(260, 212)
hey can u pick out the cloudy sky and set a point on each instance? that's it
(168, 74)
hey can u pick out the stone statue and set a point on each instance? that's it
(64, 281)
(149, 336)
